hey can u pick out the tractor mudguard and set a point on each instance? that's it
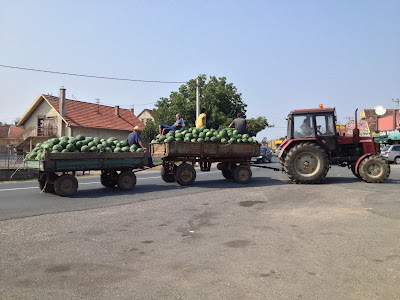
(360, 159)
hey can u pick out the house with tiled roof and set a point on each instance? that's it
(50, 116)
(9, 139)
(145, 115)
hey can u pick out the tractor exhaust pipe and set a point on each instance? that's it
(356, 131)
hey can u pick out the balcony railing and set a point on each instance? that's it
(47, 131)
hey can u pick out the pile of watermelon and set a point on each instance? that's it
(226, 135)
(81, 144)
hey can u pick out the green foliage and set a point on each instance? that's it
(149, 132)
(221, 99)
(256, 125)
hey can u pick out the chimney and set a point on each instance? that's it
(61, 106)
(117, 110)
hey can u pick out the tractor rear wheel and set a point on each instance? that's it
(374, 169)
(306, 163)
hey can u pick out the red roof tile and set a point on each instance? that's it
(87, 114)
(15, 132)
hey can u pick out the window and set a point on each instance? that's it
(324, 125)
(303, 126)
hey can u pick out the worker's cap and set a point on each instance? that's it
(136, 128)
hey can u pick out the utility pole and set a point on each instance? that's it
(397, 101)
(197, 98)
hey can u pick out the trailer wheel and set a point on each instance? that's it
(65, 185)
(185, 174)
(126, 180)
(306, 163)
(166, 176)
(228, 174)
(242, 174)
(108, 178)
(44, 183)
(374, 169)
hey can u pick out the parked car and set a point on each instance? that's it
(265, 155)
(391, 153)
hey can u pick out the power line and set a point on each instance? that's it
(90, 76)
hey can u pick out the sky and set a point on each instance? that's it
(280, 55)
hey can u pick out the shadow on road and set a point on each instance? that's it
(161, 189)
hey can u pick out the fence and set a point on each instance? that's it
(11, 161)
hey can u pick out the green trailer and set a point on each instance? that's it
(179, 158)
(56, 173)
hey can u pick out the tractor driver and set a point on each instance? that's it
(306, 128)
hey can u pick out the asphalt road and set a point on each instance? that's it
(269, 239)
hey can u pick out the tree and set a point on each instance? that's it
(149, 132)
(256, 125)
(221, 99)
(264, 140)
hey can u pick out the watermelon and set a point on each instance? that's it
(70, 147)
(140, 150)
(79, 144)
(63, 143)
(57, 148)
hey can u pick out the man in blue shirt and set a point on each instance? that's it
(163, 129)
(134, 138)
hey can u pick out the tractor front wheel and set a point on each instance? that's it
(306, 163)
(374, 169)
(353, 169)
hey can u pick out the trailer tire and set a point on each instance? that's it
(374, 169)
(65, 185)
(166, 176)
(109, 178)
(306, 163)
(45, 185)
(228, 174)
(185, 174)
(126, 180)
(242, 174)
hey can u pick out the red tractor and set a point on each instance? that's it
(312, 145)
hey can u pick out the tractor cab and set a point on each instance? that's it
(319, 123)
